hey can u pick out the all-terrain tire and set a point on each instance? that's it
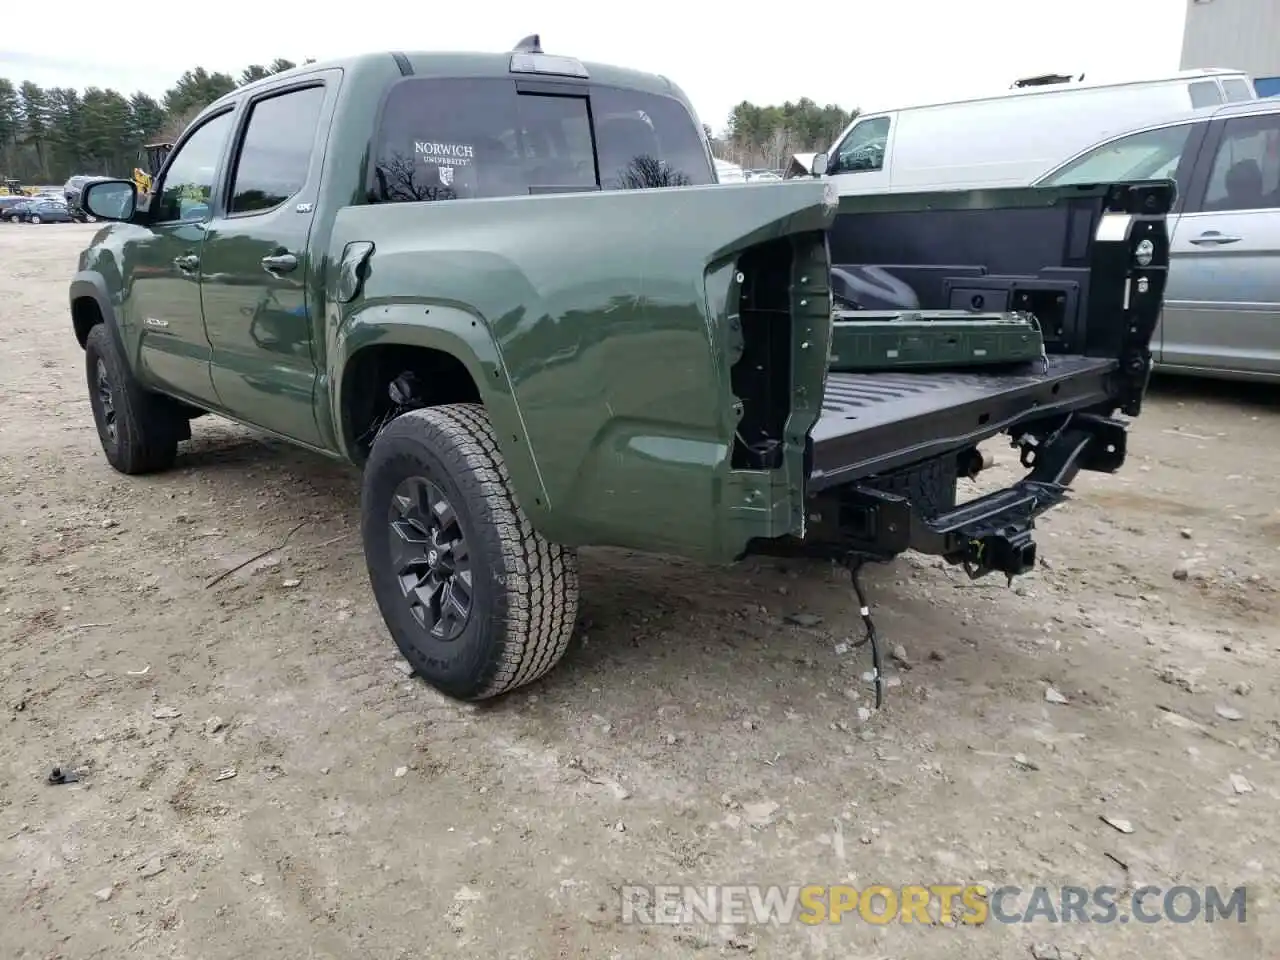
(524, 589)
(147, 426)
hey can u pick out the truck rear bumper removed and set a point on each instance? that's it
(874, 423)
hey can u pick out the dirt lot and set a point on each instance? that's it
(260, 779)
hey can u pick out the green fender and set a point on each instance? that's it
(463, 335)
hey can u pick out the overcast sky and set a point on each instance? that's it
(871, 54)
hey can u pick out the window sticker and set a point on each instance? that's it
(444, 154)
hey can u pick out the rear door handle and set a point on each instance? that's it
(1213, 237)
(279, 263)
(187, 263)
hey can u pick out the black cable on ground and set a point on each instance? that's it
(864, 610)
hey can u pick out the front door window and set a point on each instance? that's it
(188, 183)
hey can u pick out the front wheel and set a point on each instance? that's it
(139, 431)
(476, 600)
(35, 218)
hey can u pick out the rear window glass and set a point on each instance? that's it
(468, 139)
(647, 141)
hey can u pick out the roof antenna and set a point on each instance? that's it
(530, 44)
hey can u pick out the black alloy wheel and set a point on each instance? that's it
(478, 602)
(430, 558)
(106, 403)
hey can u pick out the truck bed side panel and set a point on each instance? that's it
(613, 318)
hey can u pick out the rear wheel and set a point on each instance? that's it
(477, 602)
(35, 218)
(139, 430)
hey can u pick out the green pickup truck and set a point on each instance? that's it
(508, 288)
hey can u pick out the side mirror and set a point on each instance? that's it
(819, 165)
(110, 199)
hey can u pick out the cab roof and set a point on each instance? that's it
(463, 64)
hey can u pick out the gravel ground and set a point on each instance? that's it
(259, 778)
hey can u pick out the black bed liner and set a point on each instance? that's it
(873, 422)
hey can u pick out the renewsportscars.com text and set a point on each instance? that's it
(970, 904)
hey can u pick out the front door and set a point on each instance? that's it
(164, 301)
(255, 267)
(1222, 301)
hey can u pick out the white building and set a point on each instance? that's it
(1242, 34)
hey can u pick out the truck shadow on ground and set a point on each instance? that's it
(729, 632)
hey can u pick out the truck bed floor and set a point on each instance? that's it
(873, 422)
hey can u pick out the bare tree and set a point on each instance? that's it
(176, 123)
(400, 180)
(645, 171)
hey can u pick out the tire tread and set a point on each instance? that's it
(536, 608)
(147, 427)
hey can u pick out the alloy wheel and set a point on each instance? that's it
(430, 558)
(105, 401)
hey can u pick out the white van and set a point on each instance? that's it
(1011, 139)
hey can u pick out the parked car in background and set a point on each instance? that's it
(1221, 312)
(44, 211)
(1009, 139)
(9, 207)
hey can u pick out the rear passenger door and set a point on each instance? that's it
(255, 265)
(1222, 302)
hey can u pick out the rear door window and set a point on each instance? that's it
(471, 139)
(1246, 168)
(275, 155)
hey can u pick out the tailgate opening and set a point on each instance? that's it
(760, 377)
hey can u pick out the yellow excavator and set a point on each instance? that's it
(14, 188)
(151, 158)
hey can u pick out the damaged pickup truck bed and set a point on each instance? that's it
(508, 289)
(886, 452)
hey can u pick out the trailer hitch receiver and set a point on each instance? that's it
(1010, 551)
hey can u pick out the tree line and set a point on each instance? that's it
(48, 134)
(766, 136)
